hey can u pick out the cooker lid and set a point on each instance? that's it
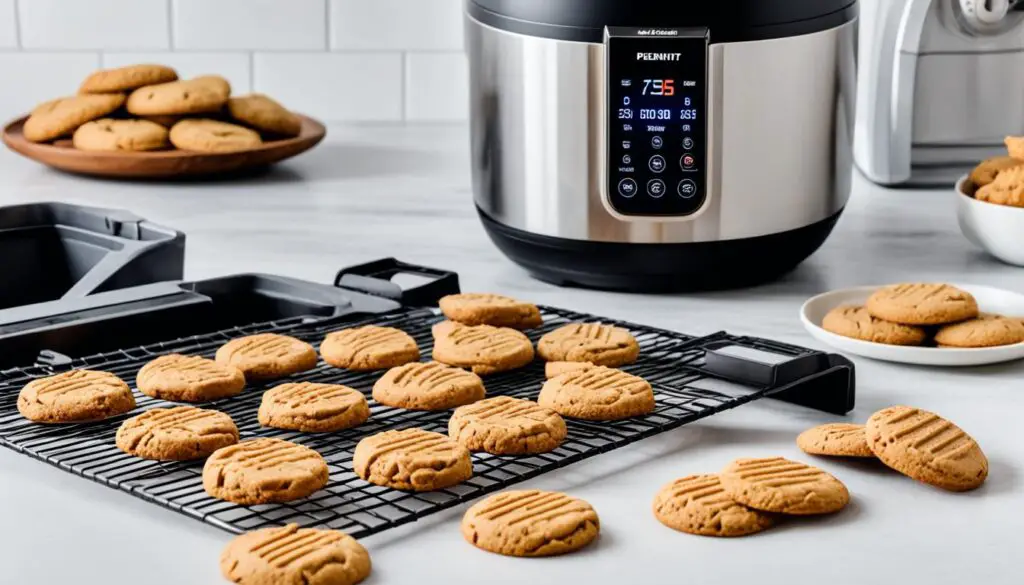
(728, 20)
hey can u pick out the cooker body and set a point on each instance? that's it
(780, 116)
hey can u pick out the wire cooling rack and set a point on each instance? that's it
(674, 363)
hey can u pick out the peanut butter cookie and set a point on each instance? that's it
(985, 331)
(599, 344)
(488, 309)
(267, 356)
(507, 426)
(313, 408)
(598, 393)
(107, 134)
(922, 304)
(75, 396)
(123, 79)
(203, 135)
(176, 434)
(530, 523)
(412, 460)
(987, 171)
(927, 447)
(369, 348)
(61, 117)
(429, 386)
(555, 369)
(783, 486)
(175, 98)
(214, 82)
(835, 439)
(482, 348)
(1006, 189)
(264, 471)
(264, 114)
(856, 322)
(698, 504)
(189, 378)
(289, 555)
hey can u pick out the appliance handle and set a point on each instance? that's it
(377, 278)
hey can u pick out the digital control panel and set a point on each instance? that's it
(657, 120)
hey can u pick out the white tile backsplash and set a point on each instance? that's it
(53, 75)
(93, 24)
(250, 24)
(396, 25)
(436, 87)
(232, 66)
(8, 25)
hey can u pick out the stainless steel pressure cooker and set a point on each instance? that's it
(653, 145)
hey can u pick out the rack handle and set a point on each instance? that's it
(375, 278)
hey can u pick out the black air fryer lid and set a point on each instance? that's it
(729, 20)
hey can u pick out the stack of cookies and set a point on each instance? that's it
(1000, 180)
(147, 107)
(922, 314)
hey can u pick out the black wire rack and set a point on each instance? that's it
(675, 364)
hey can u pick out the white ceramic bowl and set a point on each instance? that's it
(997, 229)
(992, 300)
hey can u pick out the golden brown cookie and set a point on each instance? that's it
(214, 82)
(429, 386)
(189, 378)
(555, 369)
(698, 504)
(507, 426)
(986, 331)
(598, 393)
(203, 135)
(123, 79)
(75, 396)
(987, 171)
(922, 304)
(264, 114)
(856, 322)
(369, 348)
(176, 98)
(488, 309)
(176, 434)
(61, 117)
(783, 486)
(835, 439)
(599, 344)
(313, 408)
(289, 555)
(482, 348)
(412, 460)
(263, 471)
(1015, 146)
(1006, 189)
(530, 523)
(267, 356)
(107, 134)
(927, 447)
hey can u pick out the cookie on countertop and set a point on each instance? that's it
(490, 309)
(176, 98)
(412, 460)
(835, 439)
(857, 323)
(189, 378)
(482, 348)
(986, 331)
(75, 396)
(204, 135)
(60, 117)
(176, 434)
(107, 134)
(555, 369)
(922, 304)
(530, 523)
(369, 348)
(289, 555)
(267, 356)
(988, 170)
(507, 426)
(264, 471)
(265, 114)
(599, 344)
(1006, 189)
(123, 79)
(779, 485)
(312, 407)
(428, 386)
(698, 504)
(598, 393)
(927, 447)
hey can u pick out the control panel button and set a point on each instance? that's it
(688, 143)
(657, 163)
(627, 160)
(687, 188)
(657, 142)
(627, 144)
(627, 188)
(656, 188)
(687, 162)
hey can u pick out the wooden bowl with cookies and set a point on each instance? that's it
(142, 121)
(990, 204)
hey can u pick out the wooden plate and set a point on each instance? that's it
(160, 164)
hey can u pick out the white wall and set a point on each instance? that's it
(339, 60)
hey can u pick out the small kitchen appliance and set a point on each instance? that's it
(651, 145)
(941, 83)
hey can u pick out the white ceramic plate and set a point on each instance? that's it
(991, 300)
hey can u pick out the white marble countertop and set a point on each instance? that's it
(370, 192)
